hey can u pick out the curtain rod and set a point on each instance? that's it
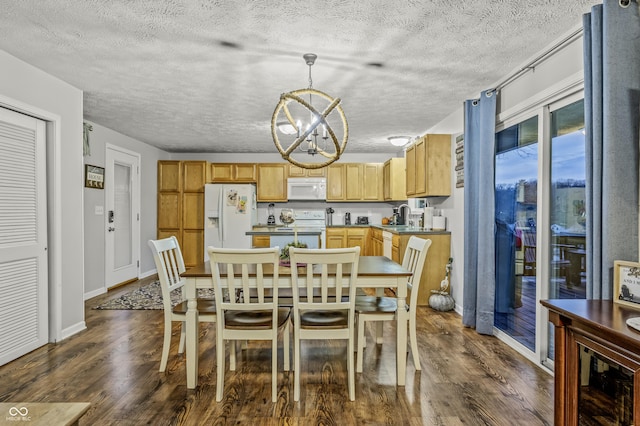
(532, 64)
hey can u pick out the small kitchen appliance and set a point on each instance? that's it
(271, 219)
(330, 213)
(396, 217)
(362, 220)
(347, 218)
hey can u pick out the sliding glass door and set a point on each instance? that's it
(540, 219)
(516, 194)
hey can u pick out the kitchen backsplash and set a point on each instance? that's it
(373, 211)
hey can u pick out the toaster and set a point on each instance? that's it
(363, 220)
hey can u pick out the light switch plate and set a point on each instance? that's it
(99, 210)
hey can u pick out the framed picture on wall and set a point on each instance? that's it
(626, 283)
(93, 176)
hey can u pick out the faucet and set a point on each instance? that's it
(400, 207)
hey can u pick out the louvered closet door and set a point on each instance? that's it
(23, 236)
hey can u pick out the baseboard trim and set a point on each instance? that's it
(74, 329)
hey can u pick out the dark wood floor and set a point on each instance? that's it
(465, 379)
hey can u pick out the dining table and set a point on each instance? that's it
(375, 272)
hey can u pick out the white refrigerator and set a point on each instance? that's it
(230, 210)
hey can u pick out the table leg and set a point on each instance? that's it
(191, 348)
(379, 324)
(402, 323)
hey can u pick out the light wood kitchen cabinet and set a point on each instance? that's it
(357, 237)
(434, 266)
(410, 169)
(169, 211)
(373, 178)
(347, 237)
(336, 238)
(354, 182)
(335, 182)
(169, 173)
(194, 175)
(354, 177)
(181, 206)
(375, 243)
(272, 182)
(261, 241)
(428, 166)
(295, 171)
(394, 180)
(395, 248)
(232, 172)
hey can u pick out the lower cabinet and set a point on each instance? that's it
(347, 237)
(434, 266)
(261, 241)
(375, 244)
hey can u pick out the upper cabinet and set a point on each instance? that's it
(169, 174)
(354, 182)
(232, 172)
(295, 171)
(373, 178)
(394, 180)
(428, 167)
(195, 173)
(272, 182)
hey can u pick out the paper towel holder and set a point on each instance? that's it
(439, 223)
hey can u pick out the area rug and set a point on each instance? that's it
(148, 297)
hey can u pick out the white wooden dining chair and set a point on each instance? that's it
(330, 315)
(375, 308)
(170, 264)
(247, 305)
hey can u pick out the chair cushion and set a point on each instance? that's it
(373, 304)
(254, 320)
(324, 319)
(205, 306)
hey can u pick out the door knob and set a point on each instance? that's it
(111, 229)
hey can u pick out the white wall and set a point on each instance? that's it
(553, 75)
(27, 89)
(95, 225)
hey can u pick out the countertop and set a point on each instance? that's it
(262, 229)
(281, 230)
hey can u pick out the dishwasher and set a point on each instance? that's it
(387, 244)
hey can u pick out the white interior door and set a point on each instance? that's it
(23, 235)
(122, 251)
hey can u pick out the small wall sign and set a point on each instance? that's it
(93, 176)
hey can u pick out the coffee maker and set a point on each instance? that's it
(396, 216)
(347, 218)
(271, 219)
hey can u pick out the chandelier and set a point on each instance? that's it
(304, 126)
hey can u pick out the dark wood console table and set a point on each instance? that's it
(598, 327)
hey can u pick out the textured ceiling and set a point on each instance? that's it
(205, 76)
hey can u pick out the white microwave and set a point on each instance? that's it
(307, 188)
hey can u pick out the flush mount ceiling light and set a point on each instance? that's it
(304, 131)
(399, 140)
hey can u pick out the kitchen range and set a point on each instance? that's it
(308, 226)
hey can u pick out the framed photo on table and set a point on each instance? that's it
(626, 283)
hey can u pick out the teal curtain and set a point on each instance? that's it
(479, 212)
(612, 98)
